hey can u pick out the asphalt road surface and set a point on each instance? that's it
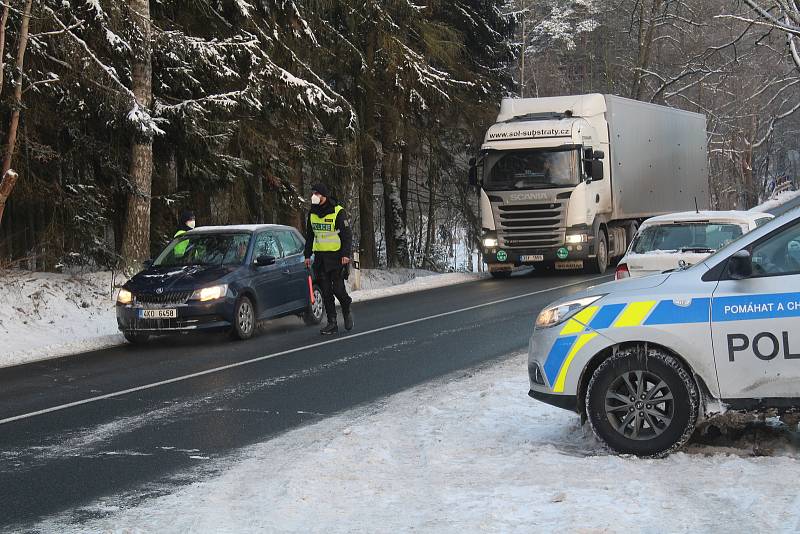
(119, 420)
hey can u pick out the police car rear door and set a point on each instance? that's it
(755, 321)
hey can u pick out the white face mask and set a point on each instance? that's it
(316, 199)
(190, 224)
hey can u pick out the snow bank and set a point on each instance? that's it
(45, 315)
(469, 454)
(777, 200)
(377, 283)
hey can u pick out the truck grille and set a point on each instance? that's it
(170, 297)
(531, 225)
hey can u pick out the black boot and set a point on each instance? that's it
(331, 329)
(348, 320)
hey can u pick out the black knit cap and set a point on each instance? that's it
(321, 189)
(187, 215)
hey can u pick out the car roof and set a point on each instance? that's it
(238, 228)
(708, 215)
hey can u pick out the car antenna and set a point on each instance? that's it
(695, 205)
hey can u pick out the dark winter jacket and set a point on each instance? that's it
(329, 261)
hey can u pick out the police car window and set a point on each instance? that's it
(267, 245)
(288, 243)
(778, 255)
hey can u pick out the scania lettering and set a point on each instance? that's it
(646, 360)
(579, 173)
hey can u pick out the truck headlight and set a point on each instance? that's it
(124, 297)
(577, 238)
(210, 293)
(490, 242)
(553, 315)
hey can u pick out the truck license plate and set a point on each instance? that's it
(569, 265)
(531, 258)
(158, 314)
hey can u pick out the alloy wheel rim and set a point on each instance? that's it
(639, 405)
(245, 317)
(318, 307)
(602, 253)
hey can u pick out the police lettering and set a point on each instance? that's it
(765, 346)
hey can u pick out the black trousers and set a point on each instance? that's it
(331, 282)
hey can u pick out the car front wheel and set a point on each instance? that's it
(244, 319)
(642, 402)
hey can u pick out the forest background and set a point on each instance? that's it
(116, 115)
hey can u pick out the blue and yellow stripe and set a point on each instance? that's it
(582, 328)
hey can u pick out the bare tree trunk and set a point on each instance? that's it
(646, 38)
(8, 178)
(136, 242)
(3, 21)
(433, 170)
(366, 209)
(405, 175)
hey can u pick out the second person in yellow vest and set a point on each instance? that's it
(329, 239)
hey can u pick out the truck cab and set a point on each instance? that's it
(556, 190)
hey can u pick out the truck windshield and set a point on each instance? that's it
(531, 169)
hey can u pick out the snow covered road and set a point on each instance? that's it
(469, 453)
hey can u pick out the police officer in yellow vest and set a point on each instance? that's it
(328, 236)
(187, 223)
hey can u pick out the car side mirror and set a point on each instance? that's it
(740, 265)
(147, 264)
(265, 260)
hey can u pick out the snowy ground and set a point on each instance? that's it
(471, 453)
(44, 315)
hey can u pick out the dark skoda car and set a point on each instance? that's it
(220, 278)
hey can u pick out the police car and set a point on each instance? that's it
(645, 360)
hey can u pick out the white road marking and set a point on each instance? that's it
(284, 353)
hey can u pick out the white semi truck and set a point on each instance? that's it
(565, 181)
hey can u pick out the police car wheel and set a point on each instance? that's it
(640, 404)
(244, 319)
(313, 314)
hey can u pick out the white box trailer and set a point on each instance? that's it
(564, 181)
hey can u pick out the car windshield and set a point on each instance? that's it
(205, 249)
(685, 237)
(531, 169)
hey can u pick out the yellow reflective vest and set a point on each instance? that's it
(180, 248)
(326, 236)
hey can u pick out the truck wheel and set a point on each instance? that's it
(136, 338)
(600, 263)
(642, 403)
(244, 319)
(500, 274)
(313, 314)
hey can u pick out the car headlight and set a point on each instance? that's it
(577, 238)
(553, 315)
(490, 242)
(210, 293)
(124, 297)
